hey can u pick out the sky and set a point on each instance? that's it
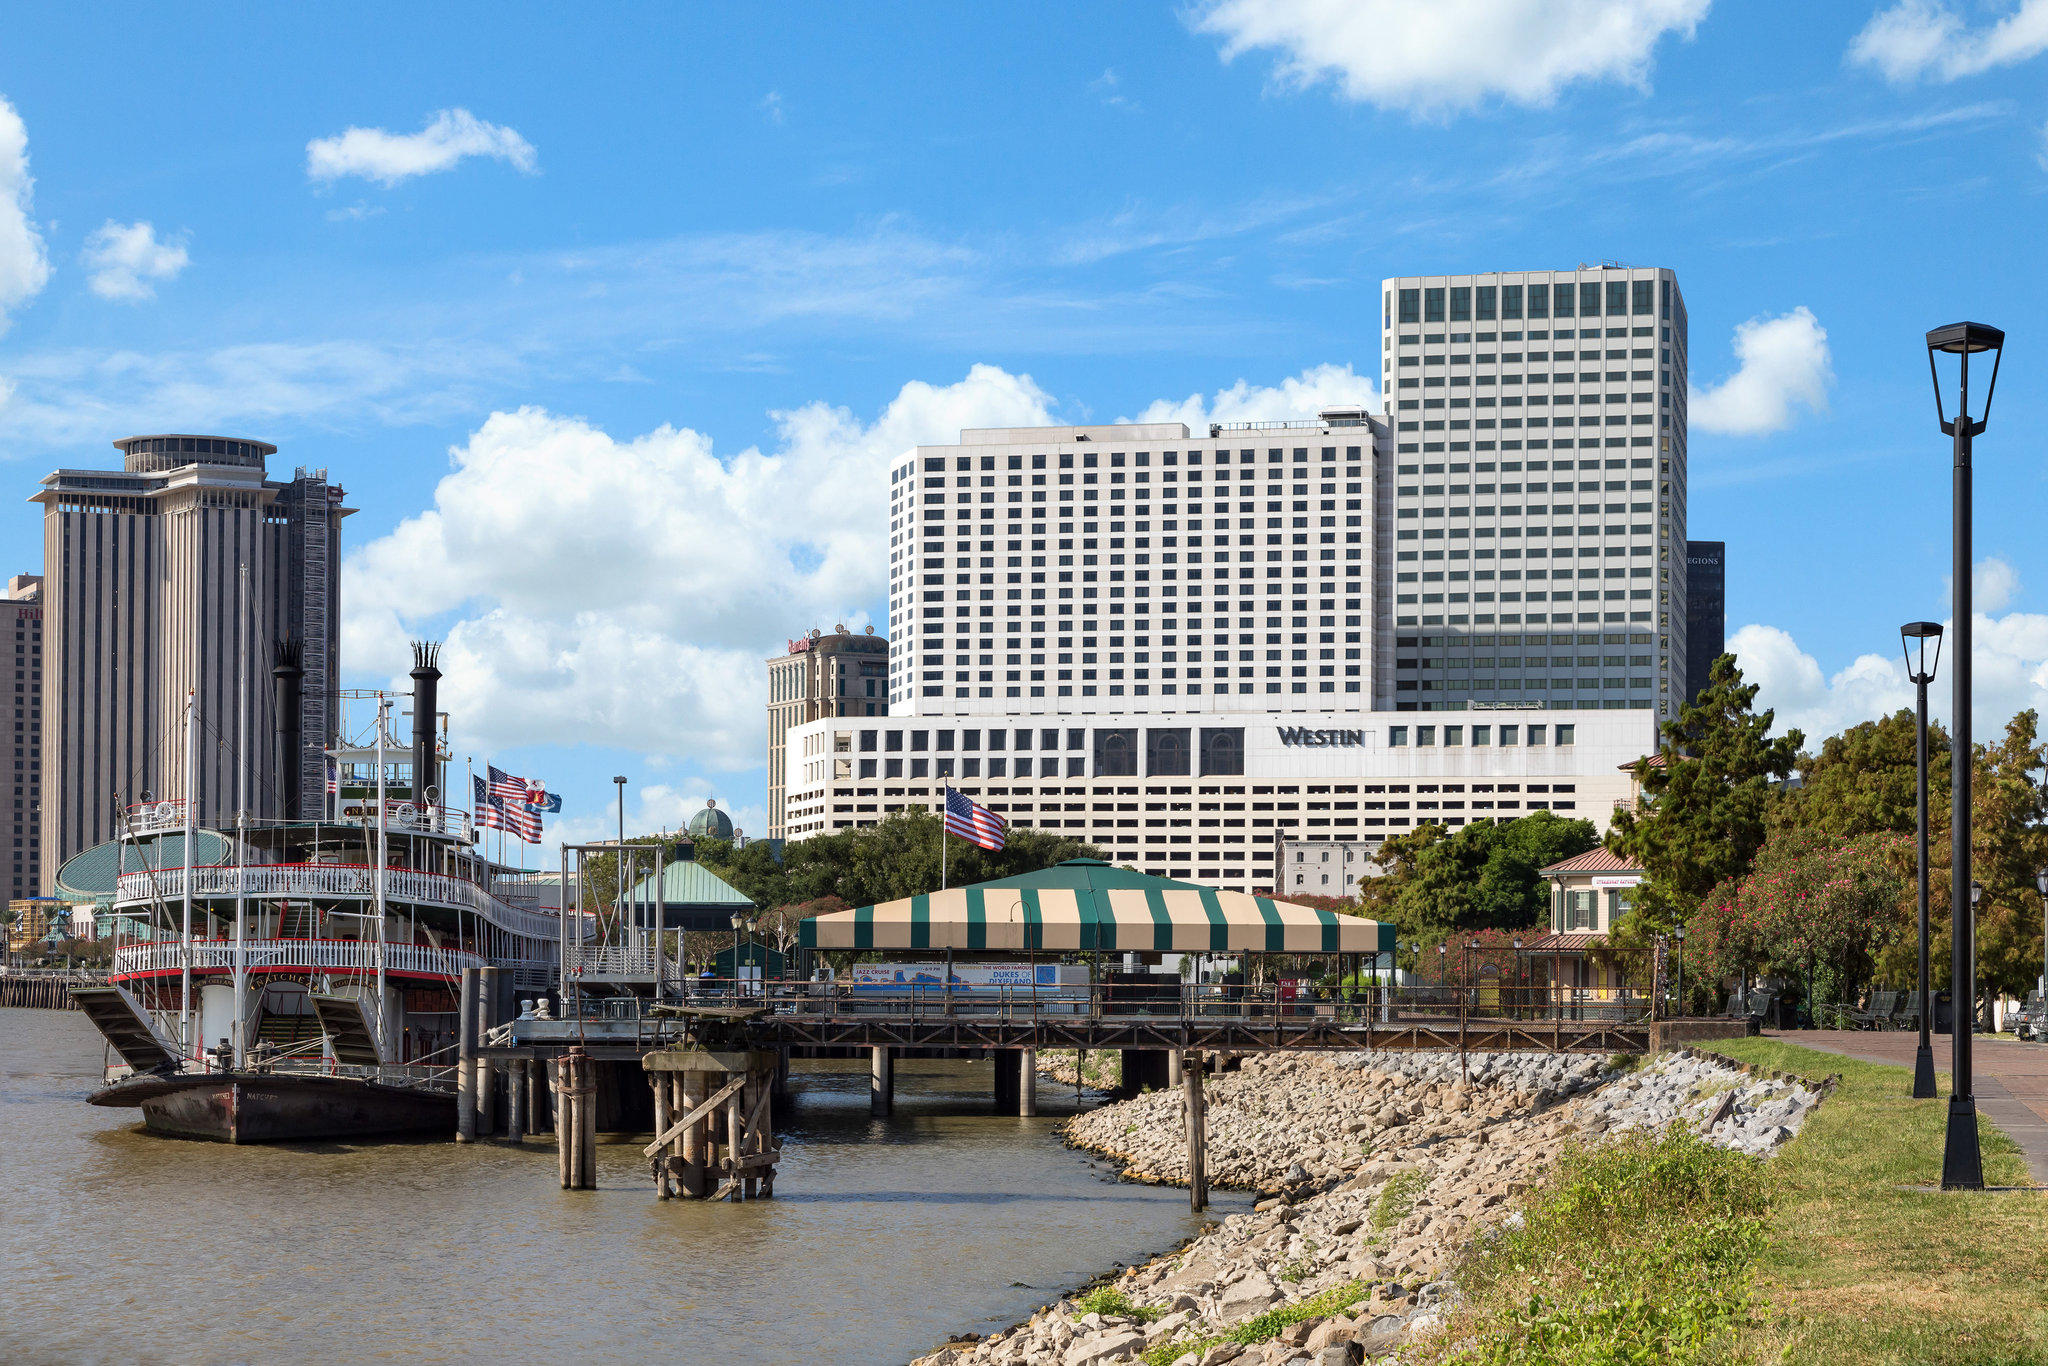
(610, 319)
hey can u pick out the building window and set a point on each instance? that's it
(1222, 751)
(1397, 736)
(1411, 305)
(1166, 753)
(1116, 753)
(1432, 305)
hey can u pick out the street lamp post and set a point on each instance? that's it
(1962, 1159)
(738, 922)
(1521, 989)
(1913, 637)
(2041, 881)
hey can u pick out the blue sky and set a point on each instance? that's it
(609, 320)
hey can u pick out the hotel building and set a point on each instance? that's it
(1191, 648)
(845, 673)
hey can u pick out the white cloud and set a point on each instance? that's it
(387, 158)
(1783, 364)
(625, 592)
(1300, 397)
(771, 106)
(1928, 38)
(655, 808)
(125, 261)
(2009, 670)
(1451, 54)
(24, 265)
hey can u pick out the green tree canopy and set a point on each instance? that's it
(1484, 876)
(1705, 805)
(1865, 780)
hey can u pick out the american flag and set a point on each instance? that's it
(506, 787)
(495, 813)
(333, 778)
(973, 823)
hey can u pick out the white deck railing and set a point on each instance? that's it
(352, 881)
(310, 955)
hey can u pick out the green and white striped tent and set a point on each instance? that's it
(1084, 905)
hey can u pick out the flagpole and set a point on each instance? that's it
(943, 804)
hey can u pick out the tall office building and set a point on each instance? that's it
(841, 674)
(1706, 611)
(1162, 644)
(1537, 491)
(144, 604)
(21, 788)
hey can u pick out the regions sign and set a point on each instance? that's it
(1319, 739)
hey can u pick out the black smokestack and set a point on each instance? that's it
(285, 678)
(426, 685)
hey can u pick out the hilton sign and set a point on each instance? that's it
(1318, 739)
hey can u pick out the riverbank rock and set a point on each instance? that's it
(1382, 1168)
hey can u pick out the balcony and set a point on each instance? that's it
(347, 956)
(333, 881)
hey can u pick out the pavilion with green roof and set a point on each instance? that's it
(1084, 906)
(692, 897)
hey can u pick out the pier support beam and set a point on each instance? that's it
(576, 1120)
(881, 1081)
(1027, 1082)
(465, 1058)
(1198, 1131)
(1173, 1067)
(486, 1070)
(515, 1102)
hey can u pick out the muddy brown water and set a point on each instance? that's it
(885, 1236)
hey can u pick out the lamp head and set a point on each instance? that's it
(1678, 933)
(1964, 340)
(2041, 881)
(738, 922)
(1913, 638)
(1976, 892)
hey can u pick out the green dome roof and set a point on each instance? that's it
(92, 874)
(711, 823)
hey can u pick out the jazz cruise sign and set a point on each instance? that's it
(1300, 737)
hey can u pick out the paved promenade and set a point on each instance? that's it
(2012, 1078)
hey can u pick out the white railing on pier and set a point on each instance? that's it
(347, 880)
(310, 955)
(614, 960)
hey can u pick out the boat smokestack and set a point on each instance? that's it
(286, 678)
(426, 696)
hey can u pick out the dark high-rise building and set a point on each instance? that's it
(1706, 625)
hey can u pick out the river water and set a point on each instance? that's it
(885, 1236)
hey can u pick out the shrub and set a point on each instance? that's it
(1636, 1251)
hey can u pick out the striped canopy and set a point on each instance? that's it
(1143, 913)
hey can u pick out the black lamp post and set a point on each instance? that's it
(1440, 968)
(738, 921)
(2041, 881)
(1962, 1159)
(1914, 636)
(1521, 993)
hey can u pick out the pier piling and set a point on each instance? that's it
(465, 1057)
(881, 1081)
(714, 1128)
(576, 1120)
(1198, 1130)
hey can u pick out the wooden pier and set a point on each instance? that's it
(44, 990)
(712, 1118)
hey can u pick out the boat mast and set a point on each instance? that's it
(377, 881)
(241, 1033)
(185, 1039)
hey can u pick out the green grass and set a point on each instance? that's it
(1396, 1199)
(1639, 1250)
(1263, 1327)
(1111, 1302)
(1863, 1272)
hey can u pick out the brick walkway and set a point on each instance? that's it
(2011, 1078)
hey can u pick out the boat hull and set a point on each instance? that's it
(256, 1107)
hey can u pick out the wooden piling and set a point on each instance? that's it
(1027, 1082)
(716, 1138)
(586, 1144)
(465, 1056)
(576, 1120)
(564, 1145)
(1198, 1132)
(664, 1098)
(515, 1102)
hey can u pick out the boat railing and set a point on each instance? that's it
(404, 817)
(313, 955)
(353, 880)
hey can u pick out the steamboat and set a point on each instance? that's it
(297, 979)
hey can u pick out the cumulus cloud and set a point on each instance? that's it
(1928, 38)
(1782, 365)
(387, 158)
(124, 261)
(1299, 397)
(24, 264)
(624, 592)
(659, 807)
(2010, 669)
(1451, 54)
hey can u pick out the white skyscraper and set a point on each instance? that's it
(1538, 490)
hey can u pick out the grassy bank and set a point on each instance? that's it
(1667, 1250)
(1859, 1270)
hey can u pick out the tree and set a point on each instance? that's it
(1706, 800)
(1816, 910)
(1484, 876)
(1864, 781)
